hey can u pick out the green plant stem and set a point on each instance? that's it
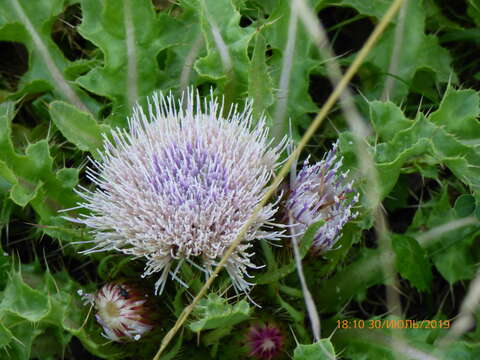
(291, 291)
(268, 253)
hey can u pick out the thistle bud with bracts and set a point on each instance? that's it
(123, 310)
(321, 191)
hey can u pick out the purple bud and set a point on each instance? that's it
(321, 192)
(264, 341)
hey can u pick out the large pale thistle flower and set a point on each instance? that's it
(179, 184)
(321, 191)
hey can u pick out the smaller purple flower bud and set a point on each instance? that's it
(122, 310)
(264, 341)
(322, 192)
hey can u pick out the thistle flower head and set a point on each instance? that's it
(264, 341)
(122, 311)
(179, 184)
(321, 192)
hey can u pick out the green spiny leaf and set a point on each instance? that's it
(421, 51)
(425, 138)
(387, 119)
(458, 113)
(130, 34)
(5, 336)
(34, 180)
(23, 301)
(227, 42)
(31, 24)
(464, 205)
(7, 177)
(260, 87)
(40, 310)
(214, 312)
(321, 350)
(411, 261)
(78, 127)
(305, 60)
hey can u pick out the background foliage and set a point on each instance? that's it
(71, 70)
